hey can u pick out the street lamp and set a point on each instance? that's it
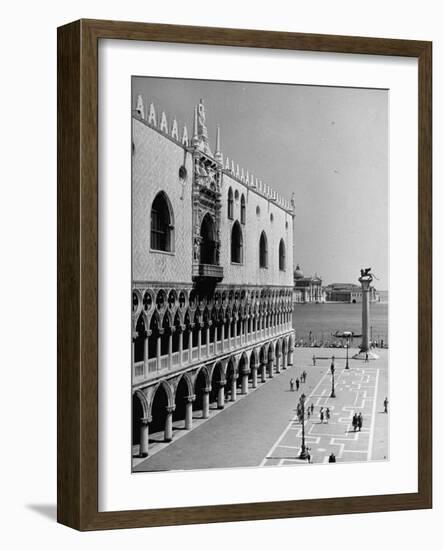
(303, 454)
(347, 335)
(333, 378)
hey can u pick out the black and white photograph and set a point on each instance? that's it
(259, 274)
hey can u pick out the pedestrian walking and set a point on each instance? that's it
(308, 454)
(297, 383)
(332, 458)
(322, 415)
(291, 384)
(354, 421)
(385, 403)
(359, 421)
(304, 376)
(313, 360)
(309, 413)
(328, 415)
(312, 408)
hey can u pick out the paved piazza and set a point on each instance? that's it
(261, 428)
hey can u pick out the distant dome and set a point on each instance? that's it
(298, 273)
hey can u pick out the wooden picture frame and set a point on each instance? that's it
(77, 480)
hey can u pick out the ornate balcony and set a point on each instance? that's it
(207, 271)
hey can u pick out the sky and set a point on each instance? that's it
(327, 145)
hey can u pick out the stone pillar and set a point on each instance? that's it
(284, 358)
(277, 363)
(207, 339)
(254, 377)
(291, 357)
(234, 387)
(199, 340)
(144, 436)
(205, 411)
(159, 346)
(180, 345)
(171, 333)
(146, 352)
(221, 395)
(365, 347)
(223, 337)
(168, 423)
(235, 333)
(190, 343)
(229, 334)
(263, 372)
(244, 383)
(271, 368)
(188, 416)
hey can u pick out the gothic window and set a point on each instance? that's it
(281, 256)
(162, 227)
(243, 210)
(230, 204)
(236, 244)
(263, 250)
(207, 243)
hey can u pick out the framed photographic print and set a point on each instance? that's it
(244, 275)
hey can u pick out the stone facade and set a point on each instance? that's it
(212, 312)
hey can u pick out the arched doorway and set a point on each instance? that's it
(207, 243)
(159, 413)
(139, 341)
(230, 387)
(217, 393)
(137, 415)
(181, 394)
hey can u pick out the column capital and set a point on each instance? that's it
(170, 409)
(161, 331)
(222, 383)
(207, 389)
(190, 398)
(146, 420)
(148, 333)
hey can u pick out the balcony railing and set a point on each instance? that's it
(207, 271)
(164, 363)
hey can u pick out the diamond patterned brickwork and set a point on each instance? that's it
(156, 164)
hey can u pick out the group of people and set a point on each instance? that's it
(324, 414)
(297, 381)
(357, 421)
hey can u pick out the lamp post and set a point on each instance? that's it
(347, 334)
(333, 378)
(303, 455)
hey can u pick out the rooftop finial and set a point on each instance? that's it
(195, 140)
(218, 156)
(140, 108)
(200, 138)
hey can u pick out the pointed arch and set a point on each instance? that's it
(230, 204)
(243, 209)
(282, 255)
(236, 244)
(162, 223)
(207, 243)
(263, 250)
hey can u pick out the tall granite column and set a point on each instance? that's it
(365, 352)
